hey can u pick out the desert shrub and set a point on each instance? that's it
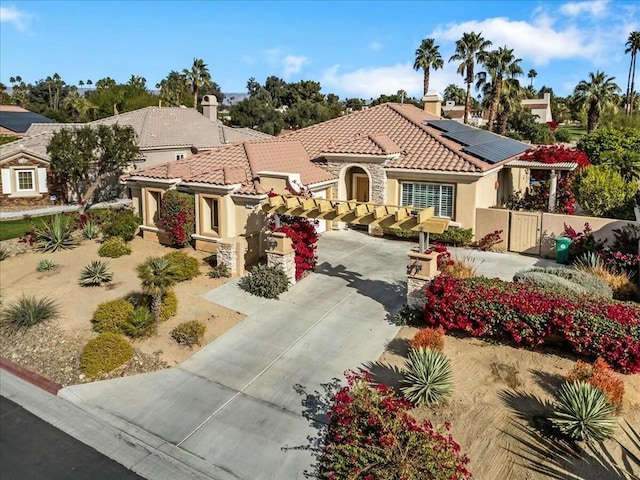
(46, 265)
(583, 412)
(219, 271)
(114, 247)
(626, 239)
(603, 140)
(55, 234)
(168, 307)
(91, 229)
(620, 281)
(410, 316)
(304, 238)
(532, 316)
(461, 267)
(4, 253)
(591, 284)
(431, 338)
(582, 242)
(453, 236)
(178, 217)
(545, 279)
(27, 311)
(105, 353)
(140, 323)
(428, 379)
(185, 266)
(95, 274)
(265, 281)
(189, 333)
(562, 135)
(110, 316)
(373, 436)
(602, 190)
(121, 223)
(600, 375)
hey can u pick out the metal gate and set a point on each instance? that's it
(524, 232)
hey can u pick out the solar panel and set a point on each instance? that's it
(496, 150)
(472, 136)
(447, 125)
(21, 121)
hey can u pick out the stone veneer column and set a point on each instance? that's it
(422, 269)
(228, 255)
(283, 256)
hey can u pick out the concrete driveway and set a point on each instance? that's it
(250, 404)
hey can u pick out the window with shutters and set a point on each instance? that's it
(25, 180)
(423, 195)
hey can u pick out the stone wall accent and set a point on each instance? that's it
(415, 291)
(378, 178)
(228, 255)
(12, 203)
(285, 262)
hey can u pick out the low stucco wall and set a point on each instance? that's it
(488, 220)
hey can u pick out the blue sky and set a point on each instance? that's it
(354, 48)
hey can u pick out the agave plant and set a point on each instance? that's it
(4, 253)
(583, 412)
(428, 379)
(94, 274)
(28, 311)
(46, 265)
(90, 230)
(589, 261)
(57, 234)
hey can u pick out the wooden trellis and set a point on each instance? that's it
(360, 213)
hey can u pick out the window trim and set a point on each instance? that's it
(180, 156)
(205, 214)
(151, 193)
(453, 195)
(31, 171)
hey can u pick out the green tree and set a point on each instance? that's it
(174, 89)
(470, 50)
(257, 112)
(596, 96)
(633, 46)
(602, 190)
(197, 77)
(354, 104)
(84, 157)
(454, 93)
(82, 108)
(499, 64)
(605, 140)
(626, 163)
(157, 276)
(510, 99)
(427, 57)
(531, 75)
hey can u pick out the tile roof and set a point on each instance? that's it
(372, 144)
(33, 144)
(536, 106)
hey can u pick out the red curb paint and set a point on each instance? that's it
(29, 376)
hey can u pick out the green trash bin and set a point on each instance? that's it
(562, 249)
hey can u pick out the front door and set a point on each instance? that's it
(362, 188)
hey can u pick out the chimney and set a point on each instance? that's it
(547, 97)
(433, 103)
(210, 107)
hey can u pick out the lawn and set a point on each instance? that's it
(576, 131)
(17, 228)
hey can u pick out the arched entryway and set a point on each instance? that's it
(355, 184)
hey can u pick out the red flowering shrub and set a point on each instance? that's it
(303, 235)
(600, 376)
(532, 316)
(583, 242)
(551, 154)
(490, 240)
(444, 255)
(178, 216)
(373, 437)
(432, 338)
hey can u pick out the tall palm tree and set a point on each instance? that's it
(198, 76)
(157, 276)
(454, 93)
(427, 57)
(596, 95)
(510, 101)
(532, 74)
(470, 49)
(633, 46)
(499, 64)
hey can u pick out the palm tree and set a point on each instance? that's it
(198, 76)
(633, 46)
(532, 74)
(427, 57)
(454, 94)
(625, 162)
(510, 100)
(81, 106)
(596, 96)
(499, 64)
(157, 275)
(470, 49)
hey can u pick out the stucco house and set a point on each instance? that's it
(390, 154)
(539, 108)
(164, 134)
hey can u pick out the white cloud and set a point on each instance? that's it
(592, 8)
(537, 41)
(293, 64)
(375, 46)
(20, 19)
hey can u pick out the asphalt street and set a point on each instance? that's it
(32, 449)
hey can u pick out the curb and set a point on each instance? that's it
(29, 376)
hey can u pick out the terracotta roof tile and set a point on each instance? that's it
(536, 106)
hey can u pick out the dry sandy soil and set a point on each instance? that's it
(493, 411)
(18, 276)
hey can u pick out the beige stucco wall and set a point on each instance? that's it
(156, 157)
(489, 220)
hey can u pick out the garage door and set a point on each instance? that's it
(322, 224)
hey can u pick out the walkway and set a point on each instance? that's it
(52, 210)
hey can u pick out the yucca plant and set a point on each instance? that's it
(46, 265)
(56, 234)
(90, 230)
(140, 323)
(95, 274)
(428, 379)
(28, 311)
(583, 412)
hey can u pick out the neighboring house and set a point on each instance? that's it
(16, 120)
(24, 168)
(164, 134)
(456, 112)
(389, 154)
(540, 108)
